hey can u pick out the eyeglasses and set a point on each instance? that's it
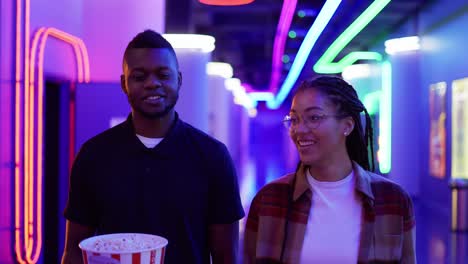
(310, 121)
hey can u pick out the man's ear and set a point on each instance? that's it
(123, 84)
(179, 79)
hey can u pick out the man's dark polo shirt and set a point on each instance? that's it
(174, 190)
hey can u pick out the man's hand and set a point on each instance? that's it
(74, 235)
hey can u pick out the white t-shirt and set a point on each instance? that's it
(149, 142)
(334, 224)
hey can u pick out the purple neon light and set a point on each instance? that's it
(287, 13)
(248, 88)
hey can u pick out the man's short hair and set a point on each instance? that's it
(148, 39)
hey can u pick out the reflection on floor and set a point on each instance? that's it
(435, 243)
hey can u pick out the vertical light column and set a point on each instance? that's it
(459, 168)
(385, 121)
(372, 83)
(407, 117)
(219, 101)
(193, 53)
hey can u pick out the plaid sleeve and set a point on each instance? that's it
(250, 235)
(409, 233)
(408, 220)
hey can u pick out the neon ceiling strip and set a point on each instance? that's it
(326, 13)
(287, 13)
(326, 65)
(261, 96)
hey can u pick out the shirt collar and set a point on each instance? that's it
(363, 181)
(167, 147)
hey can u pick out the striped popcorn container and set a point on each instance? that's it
(124, 248)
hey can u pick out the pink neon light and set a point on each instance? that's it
(287, 13)
(18, 165)
(29, 179)
(32, 226)
(33, 170)
(248, 88)
(84, 54)
(24, 168)
(82, 75)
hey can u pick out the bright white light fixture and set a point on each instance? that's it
(398, 45)
(203, 43)
(232, 84)
(356, 71)
(238, 91)
(219, 69)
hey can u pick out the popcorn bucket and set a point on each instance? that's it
(124, 248)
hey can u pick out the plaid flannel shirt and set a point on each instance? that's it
(387, 230)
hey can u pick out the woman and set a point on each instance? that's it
(332, 209)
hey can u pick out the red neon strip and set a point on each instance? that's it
(71, 128)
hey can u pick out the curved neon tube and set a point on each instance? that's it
(325, 15)
(32, 176)
(325, 63)
(287, 13)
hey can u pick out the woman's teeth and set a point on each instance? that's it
(304, 143)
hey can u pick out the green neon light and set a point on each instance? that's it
(326, 65)
(285, 58)
(301, 13)
(292, 34)
(385, 122)
(372, 101)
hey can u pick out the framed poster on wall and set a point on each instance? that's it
(460, 128)
(437, 136)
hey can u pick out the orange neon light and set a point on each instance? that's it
(31, 175)
(29, 146)
(29, 103)
(18, 161)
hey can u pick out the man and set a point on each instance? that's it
(154, 173)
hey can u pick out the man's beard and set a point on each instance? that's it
(157, 115)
